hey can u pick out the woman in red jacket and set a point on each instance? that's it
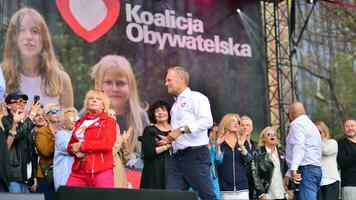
(92, 142)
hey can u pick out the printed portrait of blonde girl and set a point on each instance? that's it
(113, 74)
(29, 64)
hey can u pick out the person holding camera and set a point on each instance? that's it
(45, 141)
(23, 158)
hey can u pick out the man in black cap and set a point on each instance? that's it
(18, 125)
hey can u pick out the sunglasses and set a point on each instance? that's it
(54, 111)
(271, 134)
(234, 120)
(20, 102)
(73, 119)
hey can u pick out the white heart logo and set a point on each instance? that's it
(89, 13)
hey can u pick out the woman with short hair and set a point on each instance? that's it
(92, 144)
(155, 157)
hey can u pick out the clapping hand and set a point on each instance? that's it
(242, 139)
(220, 139)
(126, 135)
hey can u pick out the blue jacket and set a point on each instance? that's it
(62, 162)
(215, 161)
(233, 171)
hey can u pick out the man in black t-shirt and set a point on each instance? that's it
(346, 159)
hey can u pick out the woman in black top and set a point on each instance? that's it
(156, 158)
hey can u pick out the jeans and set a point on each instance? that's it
(18, 187)
(309, 186)
(192, 169)
(44, 188)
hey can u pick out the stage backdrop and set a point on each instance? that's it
(206, 36)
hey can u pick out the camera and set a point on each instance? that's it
(30, 182)
(36, 98)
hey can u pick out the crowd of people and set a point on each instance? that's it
(45, 142)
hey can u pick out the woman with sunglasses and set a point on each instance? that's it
(45, 139)
(62, 161)
(269, 166)
(232, 170)
(92, 144)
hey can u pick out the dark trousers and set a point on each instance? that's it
(43, 187)
(2, 187)
(191, 168)
(329, 192)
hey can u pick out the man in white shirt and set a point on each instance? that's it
(303, 153)
(190, 119)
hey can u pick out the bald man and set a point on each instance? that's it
(303, 153)
(346, 159)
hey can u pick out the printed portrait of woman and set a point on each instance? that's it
(29, 64)
(113, 75)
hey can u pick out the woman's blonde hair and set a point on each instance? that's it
(50, 68)
(135, 110)
(262, 143)
(323, 129)
(225, 121)
(100, 94)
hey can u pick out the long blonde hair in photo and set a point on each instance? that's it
(49, 66)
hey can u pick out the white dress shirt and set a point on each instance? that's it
(304, 146)
(191, 109)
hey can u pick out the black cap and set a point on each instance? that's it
(11, 98)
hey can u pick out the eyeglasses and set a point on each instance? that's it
(20, 102)
(271, 134)
(54, 111)
(73, 119)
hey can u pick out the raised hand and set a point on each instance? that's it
(36, 107)
(18, 115)
(127, 134)
(220, 139)
(242, 139)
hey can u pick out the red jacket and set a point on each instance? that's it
(99, 139)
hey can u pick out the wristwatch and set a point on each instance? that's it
(182, 129)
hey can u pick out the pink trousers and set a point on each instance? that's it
(100, 179)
